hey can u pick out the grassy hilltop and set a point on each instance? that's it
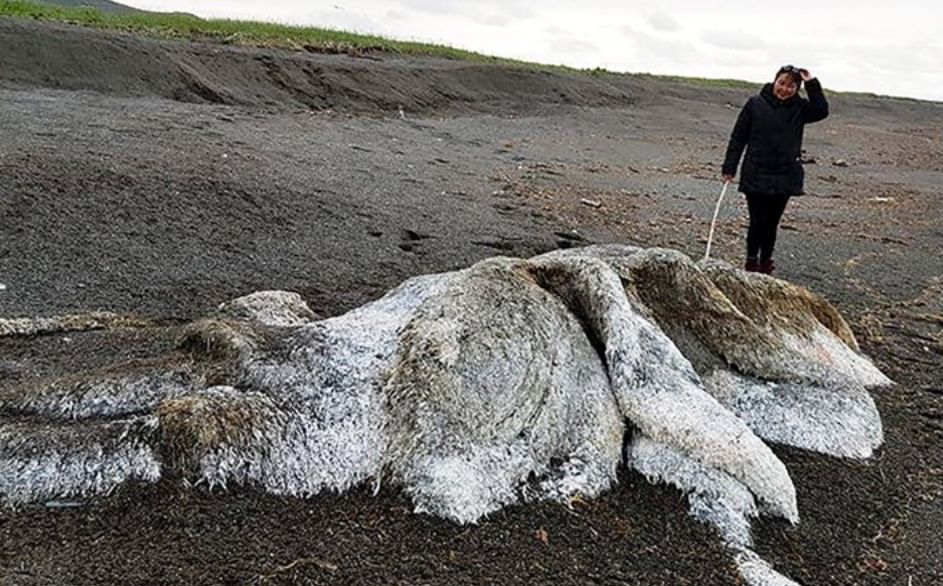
(108, 15)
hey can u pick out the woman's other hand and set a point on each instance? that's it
(727, 178)
(804, 73)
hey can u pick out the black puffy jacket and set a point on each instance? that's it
(771, 131)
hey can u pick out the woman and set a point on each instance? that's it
(770, 128)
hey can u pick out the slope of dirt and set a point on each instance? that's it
(66, 57)
(163, 178)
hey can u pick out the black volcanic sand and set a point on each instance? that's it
(163, 178)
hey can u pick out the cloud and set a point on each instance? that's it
(436, 6)
(495, 19)
(396, 16)
(663, 22)
(901, 67)
(347, 21)
(503, 13)
(648, 52)
(572, 46)
(735, 40)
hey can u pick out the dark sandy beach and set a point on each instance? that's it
(160, 179)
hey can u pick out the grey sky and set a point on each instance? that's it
(877, 46)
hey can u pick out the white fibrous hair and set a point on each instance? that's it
(509, 381)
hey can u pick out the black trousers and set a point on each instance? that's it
(765, 213)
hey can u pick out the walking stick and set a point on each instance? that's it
(710, 235)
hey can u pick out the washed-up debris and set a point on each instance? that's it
(96, 320)
(892, 240)
(306, 561)
(571, 235)
(569, 239)
(840, 163)
(510, 381)
(63, 504)
(591, 203)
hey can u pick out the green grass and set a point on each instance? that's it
(707, 82)
(238, 32)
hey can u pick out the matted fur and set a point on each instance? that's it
(96, 320)
(508, 381)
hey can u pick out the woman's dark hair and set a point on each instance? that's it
(793, 72)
